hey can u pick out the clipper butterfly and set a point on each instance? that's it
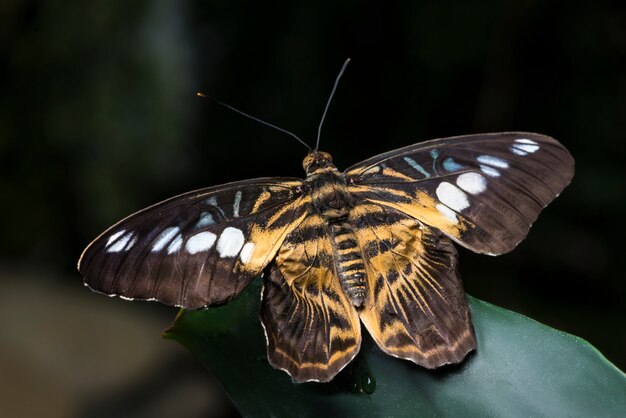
(371, 245)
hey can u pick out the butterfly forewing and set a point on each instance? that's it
(370, 245)
(484, 191)
(197, 249)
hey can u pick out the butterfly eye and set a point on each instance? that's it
(315, 160)
(307, 162)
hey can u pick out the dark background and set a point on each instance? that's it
(99, 118)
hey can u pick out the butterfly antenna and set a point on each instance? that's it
(332, 93)
(206, 96)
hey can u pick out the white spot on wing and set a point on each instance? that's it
(175, 245)
(526, 141)
(131, 243)
(473, 183)
(115, 236)
(490, 171)
(452, 196)
(492, 161)
(124, 243)
(200, 242)
(447, 212)
(230, 242)
(524, 146)
(246, 252)
(164, 237)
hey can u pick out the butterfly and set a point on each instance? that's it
(371, 246)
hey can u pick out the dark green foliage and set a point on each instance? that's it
(521, 368)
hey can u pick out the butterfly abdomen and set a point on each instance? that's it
(349, 259)
(396, 214)
(333, 201)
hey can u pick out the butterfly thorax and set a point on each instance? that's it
(396, 213)
(331, 199)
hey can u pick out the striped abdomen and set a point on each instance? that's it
(350, 266)
(332, 200)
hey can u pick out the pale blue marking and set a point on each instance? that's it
(450, 165)
(164, 238)
(123, 244)
(434, 154)
(492, 161)
(177, 242)
(416, 166)
(114, 237)
(213, 202)
(523, 149)
(236, 204)
(490, 171)
(206, 219)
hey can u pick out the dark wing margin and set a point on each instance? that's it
(484, 191)
(312, 329)
(415, 307)
(197, 249)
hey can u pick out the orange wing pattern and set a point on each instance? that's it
(198, 249)
(484, 191)
(416, 308)
(368, 245)
(312, 329)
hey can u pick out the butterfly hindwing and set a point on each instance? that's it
(415, 307)
(197, 249)
(484, 191)
(312, 329)
(370, 245)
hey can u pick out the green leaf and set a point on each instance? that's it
(521, 368)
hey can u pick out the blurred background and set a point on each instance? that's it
(99, 118)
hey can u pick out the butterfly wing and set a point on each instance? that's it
(415, 307)
(197, 249)
(484, 191)
(312, 329)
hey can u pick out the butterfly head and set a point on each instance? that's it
(317, 161)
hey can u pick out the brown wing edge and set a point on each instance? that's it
(557, 163)
(452, 353)
(192, 293)
(416, 308)
(322, 363)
